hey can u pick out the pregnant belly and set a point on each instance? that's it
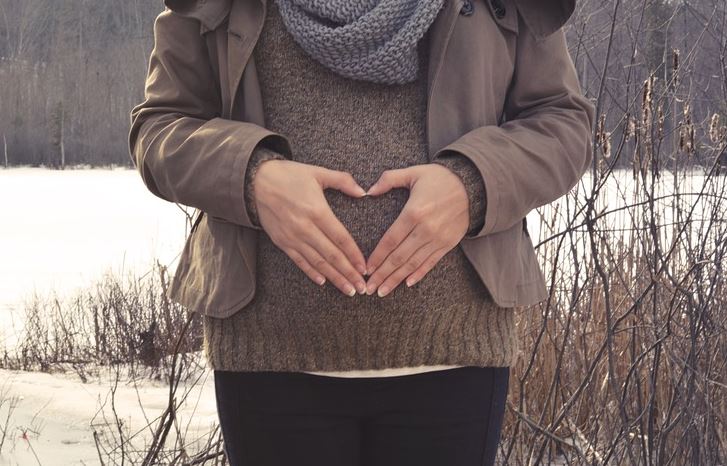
(280, 282)
(367, 219)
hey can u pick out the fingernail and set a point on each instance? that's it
(383, 290)
(361, 287)
(370, 289)
(362, 269)
(362, 191)
(321, 280)
(350, 290)
(409, 282)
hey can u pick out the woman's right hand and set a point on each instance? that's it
(294, 212)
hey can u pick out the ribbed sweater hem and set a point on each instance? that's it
(478, 334)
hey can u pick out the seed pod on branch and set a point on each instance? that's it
(675, 67)
(714, 129)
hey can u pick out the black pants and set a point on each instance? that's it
(449, 417)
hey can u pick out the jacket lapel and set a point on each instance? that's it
(244, 26)
(441, 31)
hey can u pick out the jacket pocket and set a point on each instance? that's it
(213, 276)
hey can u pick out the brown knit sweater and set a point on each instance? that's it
(292, 324)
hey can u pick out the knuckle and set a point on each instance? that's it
(396, 259)
(279, 241)
(297, 259)
(283, 241)
(339, 240)
(316, 213)
(431, 228)
(306, 211)
(331, 257)
(435, 258)
(389, 242)
(427, 229)
(297, 224)
(409, 267)
(416, 214)
(301, 234)
(319, 263)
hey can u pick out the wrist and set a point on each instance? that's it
(473, 182)
(253, 180)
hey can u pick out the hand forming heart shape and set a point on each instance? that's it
(293, 211)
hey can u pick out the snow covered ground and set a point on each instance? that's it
(55, 415)
(61, 229)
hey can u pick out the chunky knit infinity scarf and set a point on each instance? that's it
(370, 40)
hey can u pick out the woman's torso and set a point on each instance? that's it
(446, 319)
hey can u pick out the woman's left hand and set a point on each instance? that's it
(433, 221)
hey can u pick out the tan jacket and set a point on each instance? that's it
(502, 88)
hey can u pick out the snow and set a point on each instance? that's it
(61, 229)
(55, 414)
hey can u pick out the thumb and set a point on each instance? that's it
(394, 178)
(340, 180)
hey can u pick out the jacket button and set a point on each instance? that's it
(498, 8)
(467, 8)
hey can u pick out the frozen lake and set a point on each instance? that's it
(62, 229)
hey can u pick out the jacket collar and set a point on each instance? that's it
(210, 13)
(544, 17)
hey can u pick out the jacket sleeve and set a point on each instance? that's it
(184, 151)
(544, 147)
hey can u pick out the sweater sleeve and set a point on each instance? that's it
(259, 155)
(474, 185)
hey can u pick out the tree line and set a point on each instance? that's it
(71, 71)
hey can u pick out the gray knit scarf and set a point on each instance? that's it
(370, 40)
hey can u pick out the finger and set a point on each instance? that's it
(324, 267)
(393, 178)
(330, 253)
(416, 260)
(426, 266)
(305, 266)
(397, 258)
(340, 180)
(339, 235)
(400, 229)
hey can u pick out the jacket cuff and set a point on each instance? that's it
(259, 155)
(473, 183)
